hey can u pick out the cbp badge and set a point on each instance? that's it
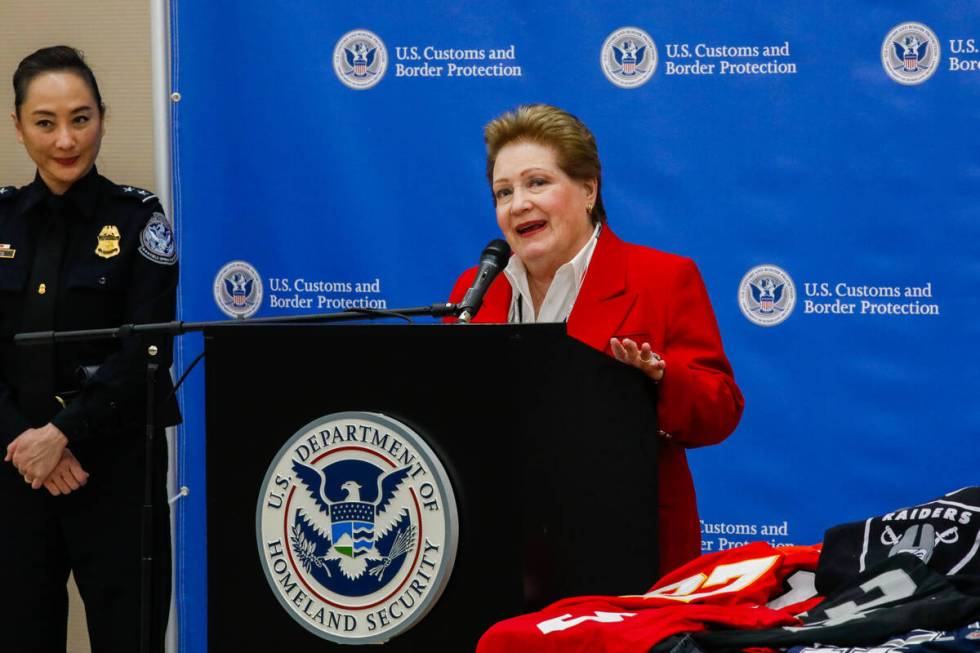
(108, 245)
(238, 290)
(356, 527)
(360, 59)
(766, 295)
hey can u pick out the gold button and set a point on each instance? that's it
(41, 289)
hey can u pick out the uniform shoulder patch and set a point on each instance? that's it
(7, 192)
(139, 194)
(157, 241)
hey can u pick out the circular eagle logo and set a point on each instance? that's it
(356, 527)
(910, 53)
(238, 290)
(766, 295)
(360, 59)
(628, 57)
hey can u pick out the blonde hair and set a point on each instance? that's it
(574, 145)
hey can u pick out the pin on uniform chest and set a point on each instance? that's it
(107, 246)
(6, 249)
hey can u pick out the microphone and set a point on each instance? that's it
(492, 261)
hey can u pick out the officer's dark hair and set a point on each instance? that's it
(57, 58)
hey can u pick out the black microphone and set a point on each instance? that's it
(492, 261)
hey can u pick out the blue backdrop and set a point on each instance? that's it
(335, 151)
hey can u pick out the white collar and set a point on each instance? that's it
(562, 292)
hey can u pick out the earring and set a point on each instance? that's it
(588, 208)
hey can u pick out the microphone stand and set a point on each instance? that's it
(179, 327)
(176, 328)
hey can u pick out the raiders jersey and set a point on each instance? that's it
(944, 533)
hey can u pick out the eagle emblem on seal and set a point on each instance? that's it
(347, 533)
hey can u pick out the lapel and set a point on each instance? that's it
(604, 300)
(496, 303)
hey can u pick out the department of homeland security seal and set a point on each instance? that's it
(238, 290)
(628, 57)
(910, 53)
(360, 59)
(766, 295)
(356, 526)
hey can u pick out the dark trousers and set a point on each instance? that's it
(93, 532)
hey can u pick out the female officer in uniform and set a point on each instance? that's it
(78, 252)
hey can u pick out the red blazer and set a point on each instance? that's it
(636, 292)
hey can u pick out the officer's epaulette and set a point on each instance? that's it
(135, 193)
(7, 192)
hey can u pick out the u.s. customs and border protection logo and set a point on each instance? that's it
(628, 57)
(238, 290)
(356, 527)
(108, 241)
(910, 53)
(766, 295)
(360, 59)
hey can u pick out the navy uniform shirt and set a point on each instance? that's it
(101, 255)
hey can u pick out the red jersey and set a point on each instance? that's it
(728, 589)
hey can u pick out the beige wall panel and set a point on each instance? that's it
(115, 37)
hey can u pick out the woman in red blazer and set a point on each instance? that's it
(647, 308)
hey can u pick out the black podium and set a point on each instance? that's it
(550, 447)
